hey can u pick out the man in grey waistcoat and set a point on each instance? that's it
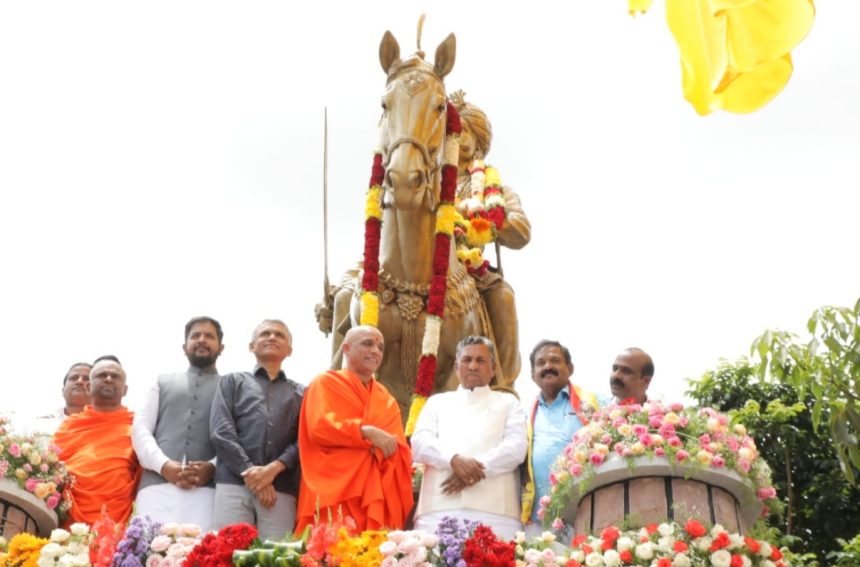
(171, 434)
(255, 426)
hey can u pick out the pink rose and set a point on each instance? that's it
(718, 462)
(557, 524)
(626, 452)
(744, 465)
(659, 452)
(544, 501)
(639, 430)
(15, 450)
(705, 439)
(553, 480)
(646, 440)
(596, 458)
(676, 407)
(53, 500)
(766, 493)
(655, 421)
(682, 456)
(675, 441)
(575, 469)
(30, 485)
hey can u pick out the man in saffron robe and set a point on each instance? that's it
(96, 447)
(354, 454)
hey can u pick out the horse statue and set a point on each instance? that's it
(412, 141)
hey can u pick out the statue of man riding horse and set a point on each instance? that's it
(413, 153)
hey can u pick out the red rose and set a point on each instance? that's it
(753, 545)
(737, 561)
(679, 546)
(626, 556)
(695, 529)
(610, 534)
(775, 554)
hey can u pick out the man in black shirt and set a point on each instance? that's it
(254, 428)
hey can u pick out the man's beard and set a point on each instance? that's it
(202, 361)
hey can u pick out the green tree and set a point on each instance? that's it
(827, 365)
(821, 505)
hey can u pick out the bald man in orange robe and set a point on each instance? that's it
(353, 451)
(96, 447)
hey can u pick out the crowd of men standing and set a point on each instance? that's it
(258, 447)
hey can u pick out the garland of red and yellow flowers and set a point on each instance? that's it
(446, 217)
(483, 215)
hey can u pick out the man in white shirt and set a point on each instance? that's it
(171, 434)
(472, 442)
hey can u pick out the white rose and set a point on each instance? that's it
(665, 543)
(80, 560)
(611, 558)
(765, 550)
(189, 530)
(160, 543)
(389, 561)
(717, 530)
(45, 561)
(737, 540)
(746, 560)
(532, 556)
(577, 555)
(666, 529)
(52, 549)
(768, 563)
(721, 558)
(644, 550)
(419, 555)
(80, 529)
(547, 537)
(59, 535)
(703, 543)
(520, 537)
(594, 559)
(387, 548)
(77, 548)
(624, 543)
(169, 529)
(681, 560)
(396, 536)
(429, 540)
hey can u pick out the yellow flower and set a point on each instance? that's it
(746, 453)
(41, 491)
(445, 218)
(474, 256)
(625, 429)
(601, 448)
(704, 457)
(21, 473)
(637, 448)
(713, 424)
(492, 177)
(35, 459)
(373, 205)
(641, 6)
(369, 308)
(671, 418)
(580, 457)
(740, 429)
(736, 54)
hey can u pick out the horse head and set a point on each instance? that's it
(412, 127)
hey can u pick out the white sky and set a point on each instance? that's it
(160, 160)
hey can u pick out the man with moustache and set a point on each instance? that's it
(558, 411)
(355, 457)
(631, 375)
(472, 442)
(96, 446)
(171, 434)
(254, 428)
(76, 394)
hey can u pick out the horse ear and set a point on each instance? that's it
(445, 54)
(389, 51)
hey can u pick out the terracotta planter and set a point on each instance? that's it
(20, 511)
(655, 491)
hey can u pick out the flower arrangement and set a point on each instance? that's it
(673, 545)
(67, 547)
(683, 436)
(357, 550)
(216, 550)
(33, 463)
(23, 551)
(323, 537)
(172, 544)
(539, 551)
(107, 535)
(133, 548)
(452, 540)
(485, 549)
(403, 548)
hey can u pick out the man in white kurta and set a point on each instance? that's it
(471, 442)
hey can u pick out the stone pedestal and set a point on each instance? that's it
(20, 511)
(654, 491)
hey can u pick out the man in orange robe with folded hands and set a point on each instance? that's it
(96, 447)
(353, 451)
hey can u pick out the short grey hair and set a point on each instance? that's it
(477, 340)
(276, 321)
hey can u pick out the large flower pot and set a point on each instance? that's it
(20, 511)
(651, 490)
